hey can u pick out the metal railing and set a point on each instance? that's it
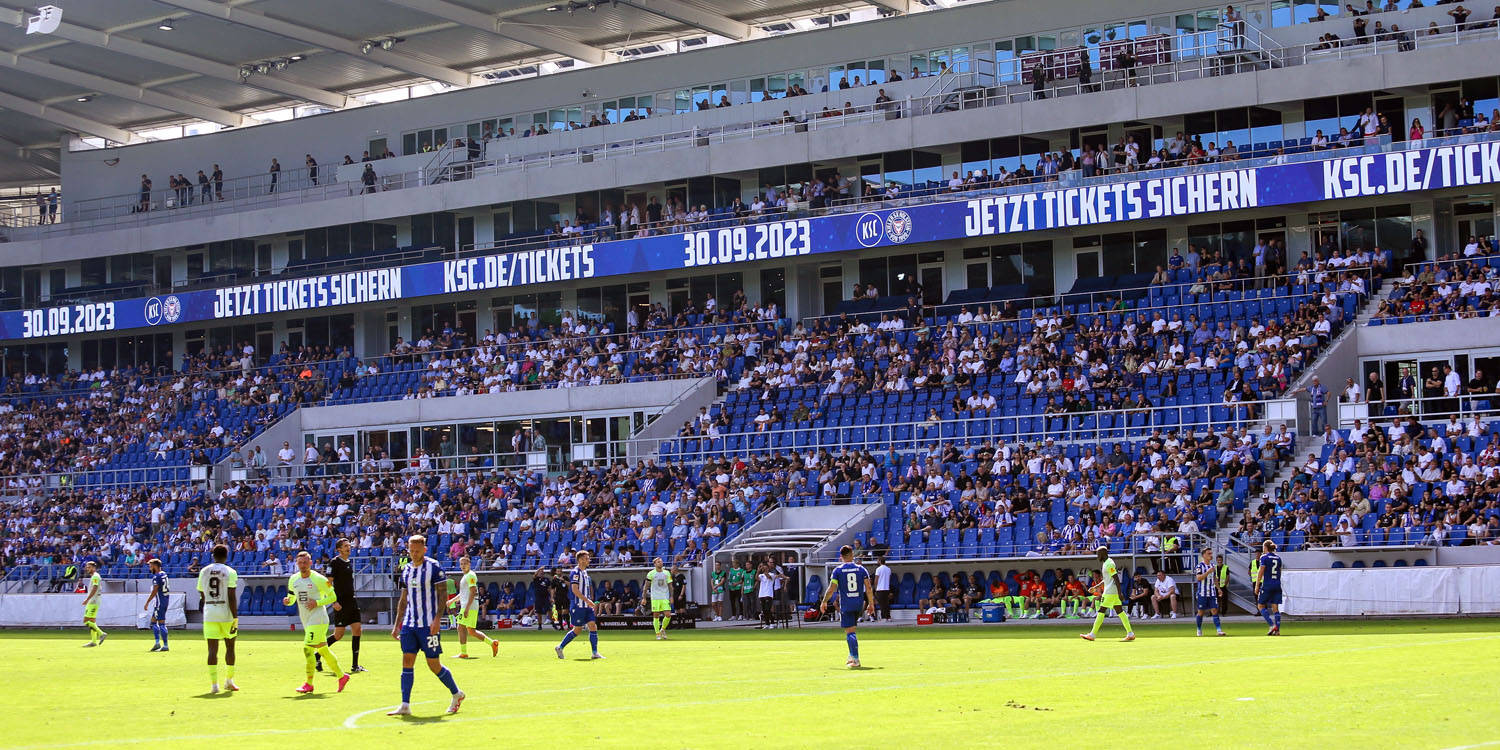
(47, 483)
(1130, 295)
(1096, 427)
(1204, 57)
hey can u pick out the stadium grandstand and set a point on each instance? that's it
(995, 311)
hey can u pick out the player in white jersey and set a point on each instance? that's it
(659, 584)
(221, 615)
(311, 593)
(467, 601)
(419, 622)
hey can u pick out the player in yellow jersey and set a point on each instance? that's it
(467, 601)
(91, 600)
(1109, 597)
(312, 593)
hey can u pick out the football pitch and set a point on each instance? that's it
(1367, 684)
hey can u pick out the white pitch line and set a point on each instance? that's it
(1491, 743)
(1003, 676)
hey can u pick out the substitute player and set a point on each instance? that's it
(221, 615)
(1109, 596)
(581, 606)
(659, 583)
(158, 596)
(419, 621)
(346, 606)
(91, 600)
(1206, 589)
(1268, 587)
(468, 610)
(312, 593)
(851, 582)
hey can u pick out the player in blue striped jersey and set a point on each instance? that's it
(419, 617)
(851, 583)
(1268, 587)
(581, 607)
(1206, 590)
(156, 604)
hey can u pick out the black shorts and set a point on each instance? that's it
(347, 615)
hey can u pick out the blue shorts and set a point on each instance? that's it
(580, 616)
(421, 639)
(849, 618)
(1206, 603)
(1269, 595)
(160, 612)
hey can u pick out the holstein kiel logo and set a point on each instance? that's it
(171, 309)
(897, 226)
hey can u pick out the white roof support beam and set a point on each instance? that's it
(191, 63)
(58, 117)
(903, 7)
(123, 90)
(698, 18)
(389, 58)
(530, 35)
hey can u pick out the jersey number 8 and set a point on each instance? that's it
(851, 583)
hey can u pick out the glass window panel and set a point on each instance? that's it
(757, 89)
(1007, 70)
(683, 102)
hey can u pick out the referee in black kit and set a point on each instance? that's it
(345, 607)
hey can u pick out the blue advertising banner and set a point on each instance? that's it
(983, 216)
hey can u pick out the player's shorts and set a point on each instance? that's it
(1206, 603)
(661, 605)
(90, 610)
(1269, 595)
(312, 635)
(1109, 600)
(582, 616)
(719, 597)
(470, 620)
(421, 639)
(160, 613)
(219, 630)
(849, 618)
(346, 615)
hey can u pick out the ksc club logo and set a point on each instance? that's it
(171, 309)
(153, 311)
(897, 226)
(867, 230)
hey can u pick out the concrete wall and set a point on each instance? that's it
(649, 395)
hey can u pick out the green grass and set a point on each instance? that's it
(1375, 684)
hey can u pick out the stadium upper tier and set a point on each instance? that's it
(986, 206)
(1164, 59)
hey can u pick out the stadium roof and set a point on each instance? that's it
(120, 69)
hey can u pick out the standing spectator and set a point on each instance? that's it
(883, 589)
(1318, 404)
(312, 169)
(284, 458)
(1085, 72)
(41, 208)
(1164, 590)
(310, 459)
(367, 178)
(275, 173)
(1126, 61)
(1039, 80)
(218, 179)
(144, 204)
(52, 199)
(203, 191)
(748, 602)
